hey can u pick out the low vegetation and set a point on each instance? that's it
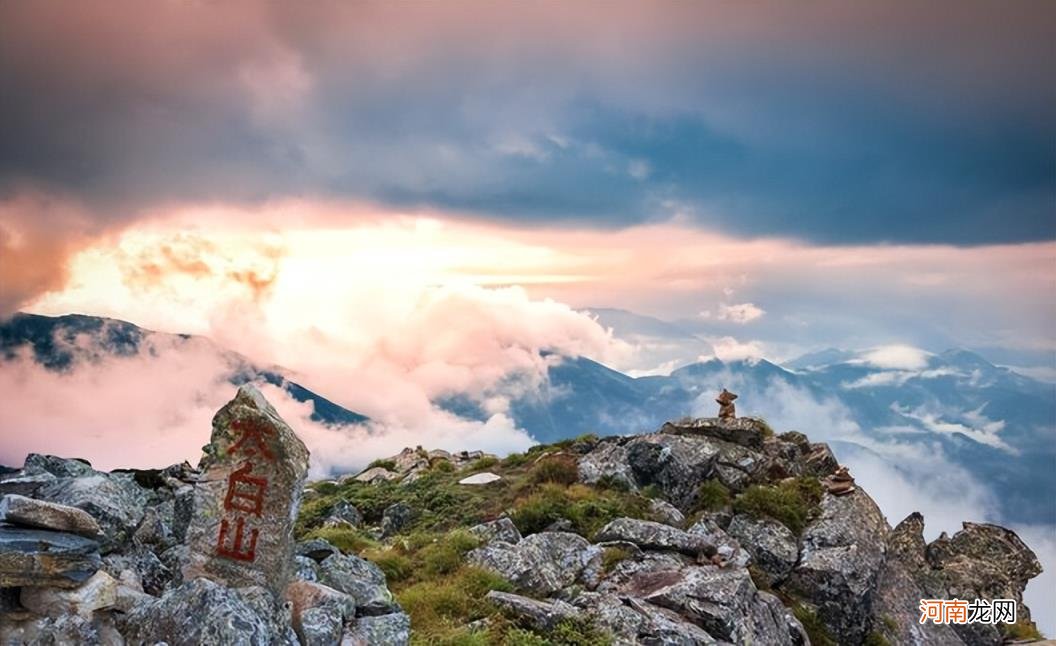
(792, 502)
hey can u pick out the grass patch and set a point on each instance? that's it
(515, 460)
(712, 496)
(440, 608)
(486, 462)
(388, 465)
(559, 470)
(873, 638)
(792, 502)
(816, 630)
(612, 556)
(347, 539)
(609, 481)
(1021, 630)
(587, 508)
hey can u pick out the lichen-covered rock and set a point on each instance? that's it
(608, 460)
(197, 612)
(746, 431)
(500, 529)
(28, 512)
(153, 574)
(728, 548)
(33, 557)
(305, 569)
(649, 535)
(99, 591)
(254, 469)
(395, 518)
(666, 513)
(343, 513)
(840, 559)
(316, 549)
(51, 631)
(361, 579)
(59, 467)
(676, 464)
(532, 613)
(115, 501)
(318, 613)
(393, 628)
(773, 547)
(632, 621)
(542, 563)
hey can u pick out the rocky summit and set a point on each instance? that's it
(707, 531)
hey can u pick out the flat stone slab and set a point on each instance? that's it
(480, 478)
(27, 512)
(34, 557)
(746, 431)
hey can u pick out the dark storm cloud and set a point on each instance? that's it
(827, 122)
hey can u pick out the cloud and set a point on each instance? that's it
(896, 357)
(973, 424)
(736, 313)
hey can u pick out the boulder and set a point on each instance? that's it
(153, 574)
(305, 569)
(25, 482)
(675, 464)
(666, 513)
(726, 546)
(649, 535)
(153, 530)
(99, 591)
(396, 517)
(633, 621)
(392, 629)
(501, 529)
(33, 557)
(608, 460)
(746, 431)
(254, 469)
(318, 613)
(377, 474)
(343, 513)
(115, 501)
(542, 563)
(48, 631)
(842, 552)
(773, 546)
(532, 613)
(361, 579)
(59, 467)
(28, 512)
(200, 611)
(820, 461)
(316, 549)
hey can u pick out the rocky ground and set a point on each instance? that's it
(705, 532)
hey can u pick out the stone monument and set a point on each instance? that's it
(245, 505)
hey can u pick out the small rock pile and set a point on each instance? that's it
(183, 555)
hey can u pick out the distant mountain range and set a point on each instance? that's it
(998, 425)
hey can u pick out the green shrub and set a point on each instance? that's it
(1020, 630)
(446, 554)
(397, 567)
(347, 539)
(587, 508)
(560, 470)
(874, 638)
(524, 637)
(388, 465)
(816, 630)
(712, 496)
(441, 465)
(515, 460)
(609, 481)
(791, 502)
(440, 608)
(580, 633)
(486, 462)
(652, 491)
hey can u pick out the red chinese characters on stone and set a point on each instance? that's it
(245, 493)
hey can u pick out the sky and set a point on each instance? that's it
(398, 201)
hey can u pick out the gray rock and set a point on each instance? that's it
(666, 513)
(343, 513)
(841, 554)
(154, 575)
(153, 530)
(728, 547)
(98, 592)
(198, 612)
(393, 628)
(50, 631)
(395, 518)
(772, 545)
(316, 549)
(652, 536)
(254, 469)
(33, 557)
(115, 501)
(305, 569)
(25, 482)
(632, 621)
(820, 461)
(746, 431)
(59, 467)
(361, 579)
(501, 529)
(182, 511)
(27, 512)
(377, 474)
(675, 464)
(318, 613)
(531, 613)
(607, 460)
(542, 563)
